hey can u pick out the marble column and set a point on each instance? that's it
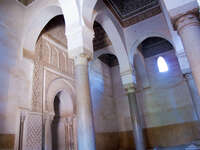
(193, 92)
(135, 117)
(85, 126)
(188, 27)
(48, 132)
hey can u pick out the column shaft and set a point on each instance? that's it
(85, 127)
(188, 27)
(137, 128)
(194, 93)
(48, 133)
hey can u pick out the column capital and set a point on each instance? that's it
(82, 58)
(129, 88)
(80, 41)
(186, 20)
(188, 76)
(128, 77)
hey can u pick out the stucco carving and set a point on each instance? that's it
(53, 72)
(48, 56)
(33, 132)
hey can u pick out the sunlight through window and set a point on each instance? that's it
(198, 2)
(162, 64)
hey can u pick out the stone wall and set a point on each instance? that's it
(110, 108)
(53, 72)
(104, 107)
(168, 113)
(167, 107)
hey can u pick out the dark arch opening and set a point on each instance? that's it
(109, 59)
(54, 125)
(101, 39)
(153, 46)
(55, 22)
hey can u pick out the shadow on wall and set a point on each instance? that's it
(55, 123)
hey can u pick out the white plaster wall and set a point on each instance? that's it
(101, 89)
(109, 100)
(160, 26)
(168, 100)
(15, 76)
(150, 27)
(16, 72)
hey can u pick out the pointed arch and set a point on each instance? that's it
(136, 43)
(119, 48)
(38, 22)
(54, 88)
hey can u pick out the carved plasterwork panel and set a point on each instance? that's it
(129, 12)
(37, 81)
(51, 57)
(128, 8)
(54, 83)
(33, 132)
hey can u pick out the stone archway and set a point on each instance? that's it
(62, 128)
(60, 116)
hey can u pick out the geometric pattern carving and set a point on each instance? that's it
(54, 57)
(128, 8)
(130, 12)
(37, 82)
(47, 55)
(62, 62)
(33, 132)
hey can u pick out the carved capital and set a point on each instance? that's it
(82, 58)
(188, 76)
(186, 20)
(80, 41)
(129, 88)
(128, 77)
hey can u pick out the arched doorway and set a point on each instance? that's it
(62, 125)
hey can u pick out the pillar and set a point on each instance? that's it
(188, 27)
(194, 93)
(135, 117)
(48, 132)
(85, 126)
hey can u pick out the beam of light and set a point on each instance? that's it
(162, 64)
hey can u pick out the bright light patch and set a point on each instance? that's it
(162, 64)
(198, 2)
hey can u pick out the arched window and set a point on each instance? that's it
(162, 64)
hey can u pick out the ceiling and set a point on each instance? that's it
(129, 12)
(101, 39)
